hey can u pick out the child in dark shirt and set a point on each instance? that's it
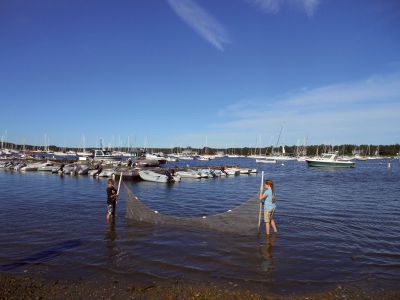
(111, 199)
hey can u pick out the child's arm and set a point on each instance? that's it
(261, 195)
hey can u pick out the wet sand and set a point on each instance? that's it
(25, 287)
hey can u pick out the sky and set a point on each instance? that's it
(226, 73)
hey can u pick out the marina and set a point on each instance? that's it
(188, 149)
(332, 227)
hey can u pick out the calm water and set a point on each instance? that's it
(335, 226)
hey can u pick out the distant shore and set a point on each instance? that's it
(25, 287)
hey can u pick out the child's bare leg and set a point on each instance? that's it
(274, 226)
(267, 226)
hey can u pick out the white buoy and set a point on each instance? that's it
(156, 211)
(204, 217)
(389, 166)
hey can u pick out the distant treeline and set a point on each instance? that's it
(347, 149)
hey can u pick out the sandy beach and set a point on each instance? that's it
(25, 287)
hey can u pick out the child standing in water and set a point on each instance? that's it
(111, 199)
(268, 199)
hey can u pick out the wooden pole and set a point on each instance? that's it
(259, 213)
(119, 183)
(119, 186)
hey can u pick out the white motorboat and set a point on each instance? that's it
(106, 173)
(205, 173)
(83, 170)
(105, 155)
(48, 167)
(70, 153)
(31, 167)
(329, 160)
(186, 157)
(218, 173)
(232, 171)
(84, 154)
(205, 158)
(68, 169)
(244, 171)
(302, 158)
(281, 157)
(266, 161)
(93, 172)
(188, 174)
(147, 175)
(171, 159)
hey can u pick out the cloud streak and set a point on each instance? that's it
(274, 6)
(364, 111)
(201, 22)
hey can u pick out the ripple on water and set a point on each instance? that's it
(335, 226)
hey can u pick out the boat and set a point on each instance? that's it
(206, 173)
(48, 167)
(105, 155)
(171, 159)
(67, 170)
(329, 160)
(244, 171)
(302, 158)
(31, 167)
(360, 158)
(147, 175)
(84, 154)
(232, 171)
(218, 173)
(158, 157)
(204, 158)
(106, 173)
(83, 170)
(266, 161)
(188, 174)
(94, 172)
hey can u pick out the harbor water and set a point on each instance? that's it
(335, 226)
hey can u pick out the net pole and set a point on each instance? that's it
(259, 212)
(119, 185)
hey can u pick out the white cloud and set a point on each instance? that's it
(274, 6)
(366, 111)
(201, 22)
(310, 6)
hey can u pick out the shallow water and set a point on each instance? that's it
(335, 226)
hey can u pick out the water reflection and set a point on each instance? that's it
(266, 252)
(110, 237)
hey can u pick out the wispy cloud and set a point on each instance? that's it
(201, 22)
(274, 6)
(364, 111)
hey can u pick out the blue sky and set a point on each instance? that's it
(173, 72)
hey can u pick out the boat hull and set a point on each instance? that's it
(333, 164)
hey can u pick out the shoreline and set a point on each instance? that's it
(29, 287)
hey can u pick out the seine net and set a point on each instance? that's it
(242, 219)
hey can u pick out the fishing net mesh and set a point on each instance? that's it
(242, 219)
